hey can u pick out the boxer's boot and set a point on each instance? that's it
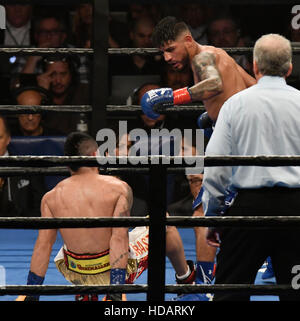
(86, 297)
(204, 275)
(190, 276)
(269, 273)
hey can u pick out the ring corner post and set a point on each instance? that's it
(99, 66)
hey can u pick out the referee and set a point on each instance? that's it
(261, 120)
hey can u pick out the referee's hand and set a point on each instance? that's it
(212, 237)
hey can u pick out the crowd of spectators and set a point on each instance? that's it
(66, 79)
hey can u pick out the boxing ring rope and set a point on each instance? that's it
(87, 222)
(110, 109)
(154, 51)
(156, 223)
(136, 288)
(45, 51)
(114, 51)
(32, 109)
(150, 161)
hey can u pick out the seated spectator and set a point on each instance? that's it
(194, 15)
(118, 32)
(184, 194)
(140, 36)
(294, 36)
(50, 32)
(31, 124)
(136, 181)
(224, 32)
(18, 32)
(83, 25)
(19, 196)
(176, 79)
(60, 77)
(136, 10)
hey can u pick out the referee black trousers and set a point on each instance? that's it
(244, 250)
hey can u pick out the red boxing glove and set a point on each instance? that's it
(182, 96)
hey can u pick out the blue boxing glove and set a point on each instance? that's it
(204, 122)
(117, 276)
(32, 279)
(163, 97)
(156, 98)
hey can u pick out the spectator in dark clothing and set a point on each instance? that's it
(31, 124)
(135, 180)
(50, 31)
(182, 207)
(60, 77)
(195, 16)
(224, 31)
(83, 25)
(140, 35)
(19, 196)
(18, 31)
(188, 186)
(177, 79)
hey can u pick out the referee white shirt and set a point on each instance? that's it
(261, 120)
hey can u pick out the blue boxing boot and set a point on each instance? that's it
(269, 273)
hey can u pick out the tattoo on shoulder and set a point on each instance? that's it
(208, 81)
(205, 58)
(203, 61)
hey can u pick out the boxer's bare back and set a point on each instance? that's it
(86, 194)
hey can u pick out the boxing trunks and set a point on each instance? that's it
(87, 264)
(138, 253)
(95, 269)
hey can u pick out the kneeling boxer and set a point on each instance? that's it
(90, 256)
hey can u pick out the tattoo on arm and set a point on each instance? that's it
(209, 79)
(113, 264)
